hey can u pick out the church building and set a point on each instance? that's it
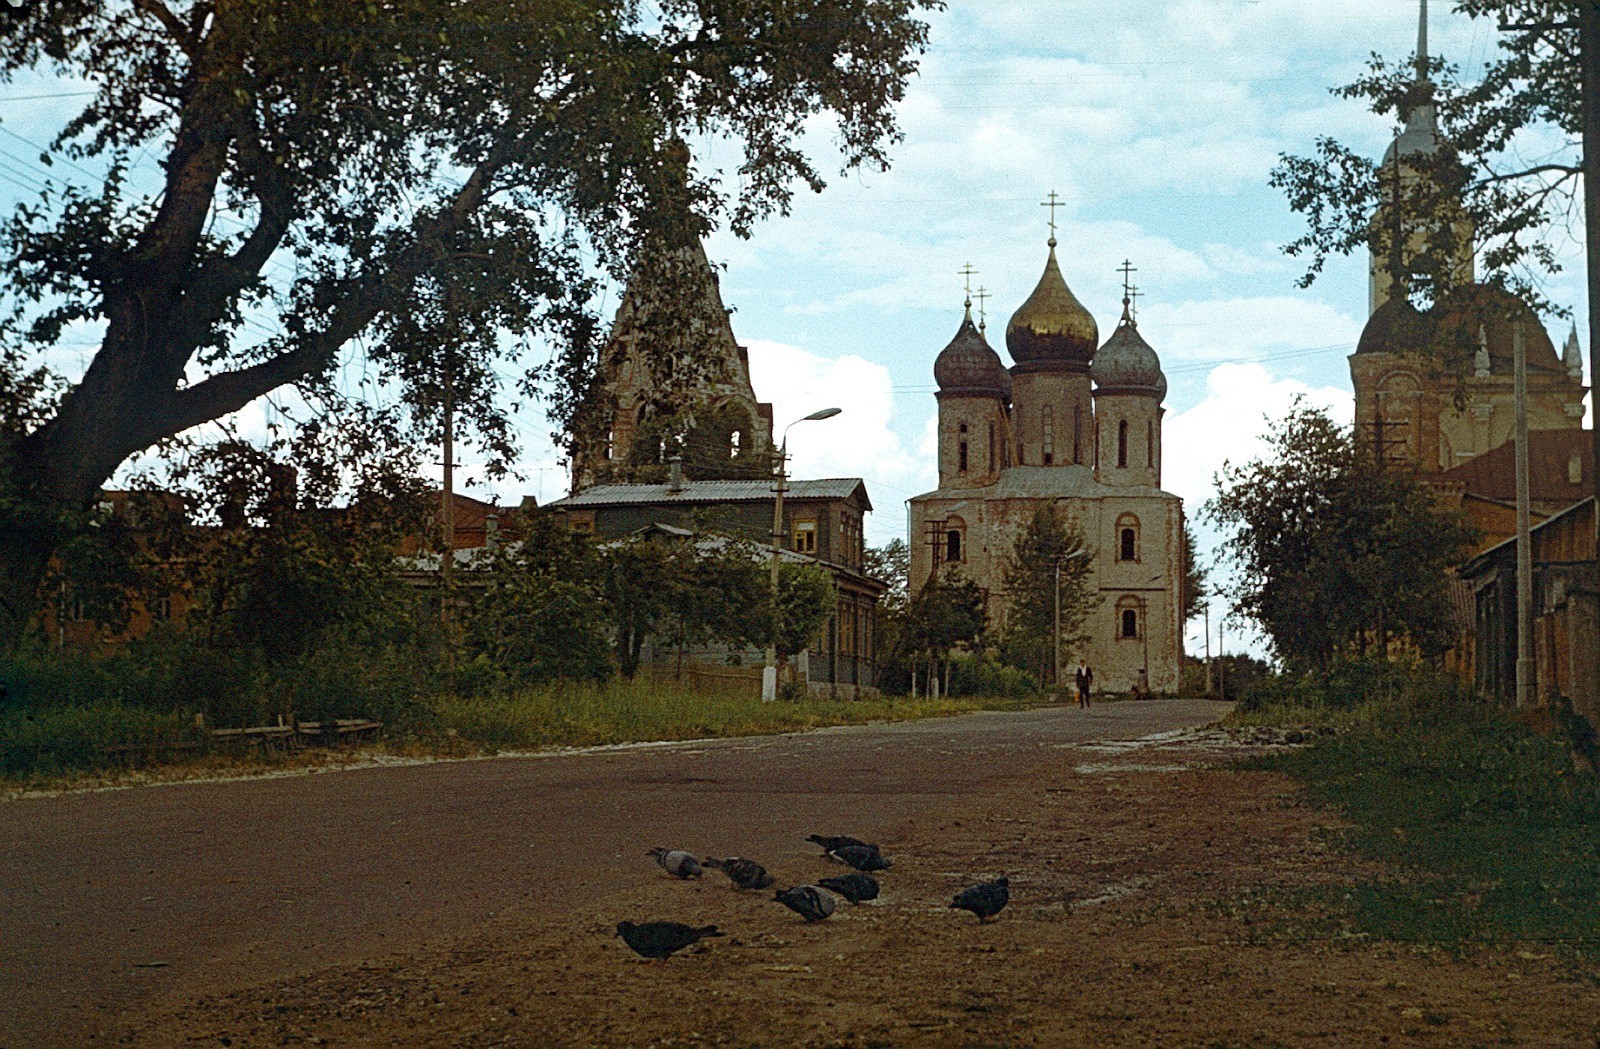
(1072, 425)
(1434, 388)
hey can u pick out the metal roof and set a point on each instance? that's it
(711, 492)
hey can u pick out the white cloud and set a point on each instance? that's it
(1224, 329)
(1230, 422)
(859, 442)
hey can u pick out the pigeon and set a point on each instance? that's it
(985, 899)
(853, 887)
(829, 844)
(862, 857)
(745, 874)
(808, 901)
(659, 939)
(676, 862)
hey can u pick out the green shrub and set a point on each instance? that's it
(985, 676)
(47, 741)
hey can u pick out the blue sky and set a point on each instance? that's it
(1157, 122)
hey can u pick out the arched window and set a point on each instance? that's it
(961, 449)
(735, 440)
(1128, 538)
(1122, 443)
(1130, 618)
(1150, 444)
(954, 544)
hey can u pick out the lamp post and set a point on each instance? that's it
(769, 674)
(1055, 664)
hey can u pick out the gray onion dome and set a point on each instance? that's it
(1127, 364)
(969, 367)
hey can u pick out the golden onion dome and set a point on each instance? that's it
(1052, 327)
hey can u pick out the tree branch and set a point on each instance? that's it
(174, 25)
(230, 391)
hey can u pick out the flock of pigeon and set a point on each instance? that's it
(814, 903)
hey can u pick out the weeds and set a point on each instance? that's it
(1493, 829)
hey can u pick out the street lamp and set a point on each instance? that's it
(769, 675)
(1056, 636)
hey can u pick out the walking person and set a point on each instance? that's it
(1085, 678)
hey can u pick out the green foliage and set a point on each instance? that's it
(1335, 554)
(437, 171)
(947, 612)
(1494, 829)
(1196, 577)
(806, 598)
(892, 564)
(63, 739)
(983, 675)
(1480, 192)
(707, 588)
(1031, 577)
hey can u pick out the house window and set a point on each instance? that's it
(962, 457)
(1150, 444)
(952, 546)
(805, 536)
(1122, 443)
(1130, 623)
(1049, 434)
(1127, 538)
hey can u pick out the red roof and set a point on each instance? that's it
(1493, 475)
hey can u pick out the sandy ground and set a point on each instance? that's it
(1128, 865)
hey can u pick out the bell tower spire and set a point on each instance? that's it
(1422, 42)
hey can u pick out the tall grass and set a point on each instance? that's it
(569, 715)
(1496, 834)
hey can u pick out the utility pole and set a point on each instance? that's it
(1589, 60)
(1525, 669)
(447, 517)
(1206, 608)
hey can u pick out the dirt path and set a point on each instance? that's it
(1124, 863)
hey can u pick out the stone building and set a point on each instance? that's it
(1434, 388)
(712, 422)
(1072, 425)
(701, 461)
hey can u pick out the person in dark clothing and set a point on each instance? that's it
(1085, 678)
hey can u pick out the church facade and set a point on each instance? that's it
(1434, 388)
(1074, 426)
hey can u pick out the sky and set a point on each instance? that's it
(1157, 122)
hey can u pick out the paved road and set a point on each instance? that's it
(113, 901)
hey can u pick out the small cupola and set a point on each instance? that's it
(969, 366)
(1127, 364)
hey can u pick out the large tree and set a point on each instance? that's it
(1335, 554)
(1047, 587)
(425, 175)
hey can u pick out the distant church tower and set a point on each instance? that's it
(721, 431)
(1410, 366)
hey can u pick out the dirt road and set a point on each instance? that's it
(113, 902)
(473, 904)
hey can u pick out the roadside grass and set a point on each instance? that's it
(103, 742)
(1493, 833)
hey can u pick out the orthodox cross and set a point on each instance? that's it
(967, 273)
(1127, 269)
(982, 295)
(1052, 202)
